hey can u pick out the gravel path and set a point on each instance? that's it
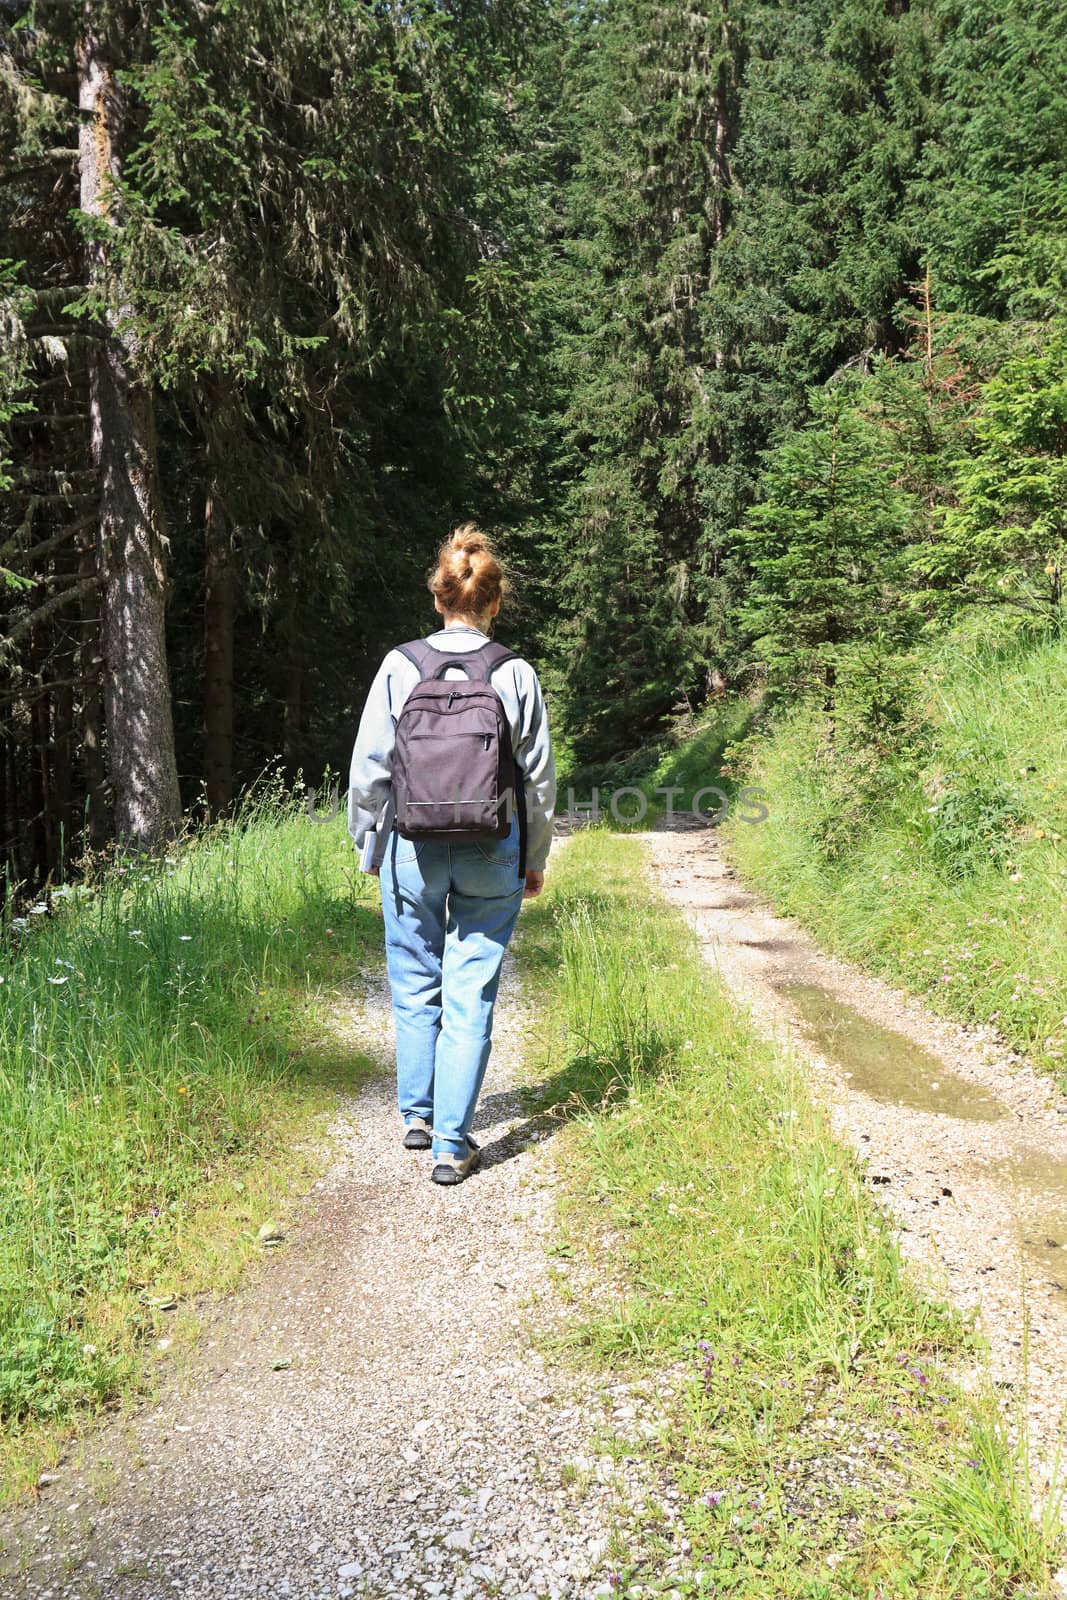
(371, 1418)
(980, 1196)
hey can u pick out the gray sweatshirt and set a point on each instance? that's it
(370, 778)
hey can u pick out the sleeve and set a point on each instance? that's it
(535, 757)
(371, 773)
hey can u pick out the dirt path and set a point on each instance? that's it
(371, 1418)
(965, 1146)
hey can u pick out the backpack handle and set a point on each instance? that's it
(477, 663)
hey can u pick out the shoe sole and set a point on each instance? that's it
(417, 1139)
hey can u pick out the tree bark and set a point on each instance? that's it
(132, 540)
(218, 655)
(92, 719)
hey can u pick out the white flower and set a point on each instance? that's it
(185, 937)
(40, 909)
(57, 980)
(135, 933)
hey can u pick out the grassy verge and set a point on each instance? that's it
(164, 1056)
(682, 768)
(821, 1447)
(938, 855)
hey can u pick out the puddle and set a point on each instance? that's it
(883, 1063)
(1042, 1212)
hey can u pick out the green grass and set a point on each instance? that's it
(687, 762)
(820, 1445)
(164, 1049)
(940, 859)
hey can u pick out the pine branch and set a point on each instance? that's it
(33, 619)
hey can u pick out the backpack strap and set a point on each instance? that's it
(477, 663)
(487, 658)
(421, 655)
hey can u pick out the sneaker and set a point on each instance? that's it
(450, 1168)
(417, 1134)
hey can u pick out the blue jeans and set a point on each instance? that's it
(449, 912)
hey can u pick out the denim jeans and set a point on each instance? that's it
(449, 912)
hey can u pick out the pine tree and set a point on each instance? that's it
(648, 203)
(826, 547)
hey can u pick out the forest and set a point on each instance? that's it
(742, 324)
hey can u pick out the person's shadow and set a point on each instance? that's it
(582, 1085)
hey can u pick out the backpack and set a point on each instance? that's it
(455, 775)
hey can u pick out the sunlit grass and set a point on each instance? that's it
(953, 877)
(818, 1429)
(157, 1030)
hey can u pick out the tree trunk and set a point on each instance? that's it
(92, 718)
(218, 656)
(132, 540)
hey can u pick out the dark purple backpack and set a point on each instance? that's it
(454, 772)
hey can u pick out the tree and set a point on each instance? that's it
(648, 200)
(825, 545)
(1005, 539)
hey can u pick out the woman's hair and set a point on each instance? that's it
(468, 576)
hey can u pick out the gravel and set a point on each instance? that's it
(373, 1417)
(964, 1195)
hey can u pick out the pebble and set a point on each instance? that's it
(340, 1481)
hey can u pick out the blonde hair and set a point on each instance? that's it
(468, 576)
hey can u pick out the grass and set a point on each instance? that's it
(821, 1446)
(164, 1063)
(940, 859)
(682, 767)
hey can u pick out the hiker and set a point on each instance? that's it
(455, 859)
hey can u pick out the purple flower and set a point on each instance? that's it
(716, 1497)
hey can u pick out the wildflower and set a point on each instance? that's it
(40, 909)
(715, 1498)
(183, 1090)
(185, 937)
(135, 933)
(57, 980)
(88, 1349)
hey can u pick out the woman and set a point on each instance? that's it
(450, 906)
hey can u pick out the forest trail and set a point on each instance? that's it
(964, 1145)
(372, 1417)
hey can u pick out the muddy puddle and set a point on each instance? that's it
(1040, 1183)
(885, 1064)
